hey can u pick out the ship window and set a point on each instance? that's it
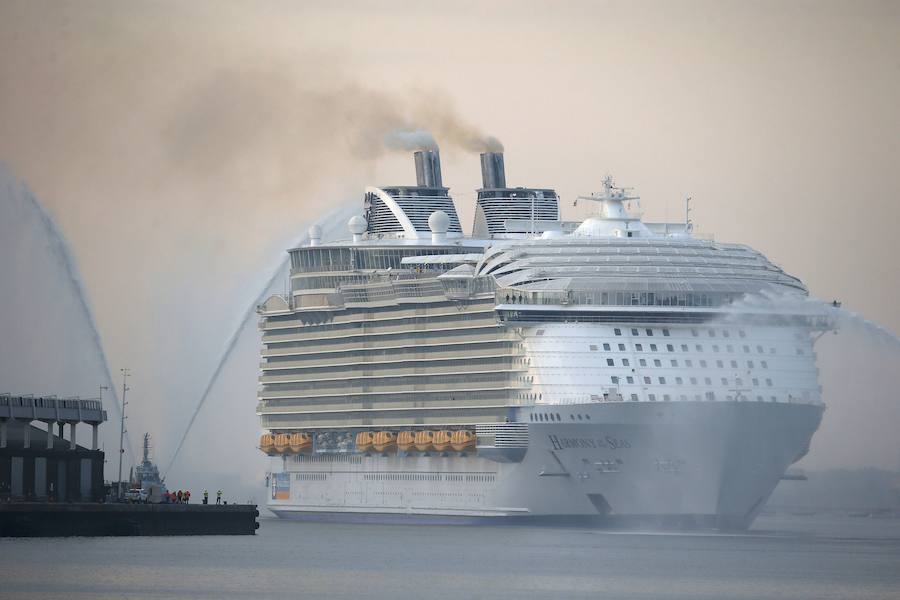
(707, 380)
(734, 364)
(759, 398)
(683, 397)
(774, 398)
(558, 418)
(670, 347)
(710, 395)
(539, 332)
(715, 348)
(764, 364)
(759, 349)
(729, 397)
(711, 333)
(799, 352)
(694, 332)
(649, 332)
(643, 362)
(634, 332)
(593, 348)
(746, 349)
(771, 350)
(688, 363)
(657, 363)
(684, 347)
(579, 418)
(703, 363)
(652, 397)
(726, 333)
(674, 362)
(647, 380)
(622, 347)
(615, 380)
(729, 348)
(769, 382)
(738, 382)
(572, 417)
(662, 380)
(679, 380)
(697, 397)
(617, 331)
(666, 397)
(629, 379)
(610, 362)
(693, 381)
(634, 397)
(666, 332)
(756, 382)
(724, 381)
(606, 347)
(749, 364)
(639, 347)
(720, 364)
(588, 417)
(652, 347)
(625, 362)
(699, 348)
(742, 333)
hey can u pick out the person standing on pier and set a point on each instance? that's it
(205, 496)
(219, 497)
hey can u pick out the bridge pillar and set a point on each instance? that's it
(3, 433)
(49, 435)
(61, 425)
(72, 435)
(95, 427)
(26, 434)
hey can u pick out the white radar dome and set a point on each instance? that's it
(315, 232)
(357, 225)
(438, 222)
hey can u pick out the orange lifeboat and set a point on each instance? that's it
(423, 441)
(441, 440)
(267, 443)
(301, 442)
(282, 442)
(364, 441)
(406, 441)
(384, 441)
(462, 440)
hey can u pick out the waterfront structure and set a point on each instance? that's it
(41, 464)
(609, 370)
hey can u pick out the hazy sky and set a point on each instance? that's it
(181, 145)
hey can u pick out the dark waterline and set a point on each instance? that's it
(782, 557)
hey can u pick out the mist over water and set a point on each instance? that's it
(49, 342)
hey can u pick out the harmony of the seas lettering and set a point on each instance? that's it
(609, 442)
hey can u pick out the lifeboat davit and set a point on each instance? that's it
(406, 440)
(282, 442)
(364, 441)
(441, 440)
(301, 442)
(384, 441)
(267, 443)
(462, 440)
(423, 441)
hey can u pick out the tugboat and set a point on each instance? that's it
(146, 484)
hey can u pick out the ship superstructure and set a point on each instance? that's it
(609, 370)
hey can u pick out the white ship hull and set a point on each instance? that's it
(682, 464)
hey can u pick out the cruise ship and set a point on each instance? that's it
(607, 371)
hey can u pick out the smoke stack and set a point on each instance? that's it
(428, 169)
(493, 173)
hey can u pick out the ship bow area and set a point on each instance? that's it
(680, 464)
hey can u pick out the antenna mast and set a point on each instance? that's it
(125, 388)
